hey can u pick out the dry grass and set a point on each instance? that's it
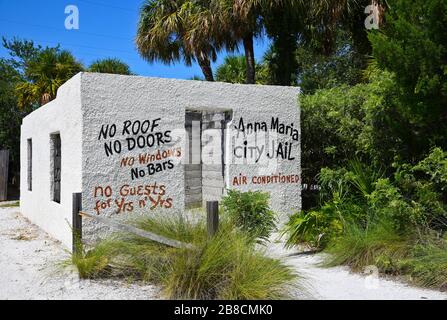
(225, 267)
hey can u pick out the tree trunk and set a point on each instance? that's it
(205, 65)
(249, 58)
(285, 45)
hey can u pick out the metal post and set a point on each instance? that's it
(212, 217)
(77, 222)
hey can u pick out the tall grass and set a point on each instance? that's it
(427, 265)
(421, 260)
(227, 266)
(359, 247)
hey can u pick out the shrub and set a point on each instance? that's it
(394, 223)
(314, 228)
(343, 122)
(227, 266)
(434, 166)
(359, 194)
(250, 211)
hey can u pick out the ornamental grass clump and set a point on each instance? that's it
(226, 266)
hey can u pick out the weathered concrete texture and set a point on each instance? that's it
(62, 116)
(127, 172)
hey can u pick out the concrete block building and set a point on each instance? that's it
(138, 145)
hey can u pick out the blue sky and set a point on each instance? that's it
(106, 29)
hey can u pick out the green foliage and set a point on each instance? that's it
(21, 52)
(413, 45)
(395, 223)
(389, 206)
(12, 72)
(90, 264)
(411, 201)
(281, 61)
(251, 212)
(319, 71)
(435, 168)
(315, 228)
(227, 266)
(233, 70)
(44, 74)
(363, 177)
(427, 265)
(110, 65)
(359, 248)
(10, 116)
(421, 262)
(169, 31)
(10, 205)
(361, 121)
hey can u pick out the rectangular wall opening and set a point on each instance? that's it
(204, 181)
(56, 167)
(30, 164)
(192, 164)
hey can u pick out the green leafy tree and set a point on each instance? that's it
(110, 65)
(10, 115)
(319, 71)
(12, 71)
(20, 52)
(44, 74)
(29, 76)
(314, 26)
(413, 45)
(328, 18)
(363, 120)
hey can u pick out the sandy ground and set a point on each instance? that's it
(338, 283)
(30, 262)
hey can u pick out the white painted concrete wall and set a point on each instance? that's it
(89, 102)
(62, 115)
(113, 99)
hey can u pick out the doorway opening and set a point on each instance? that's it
(204, 164)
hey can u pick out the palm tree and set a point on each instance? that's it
(110, 65)
(45, 74)
(239, 22)
(329, 16)
(234, 70)
(326, 18)
(168, 32)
